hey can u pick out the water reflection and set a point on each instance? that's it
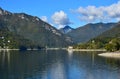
(19, 65)
(57, 65)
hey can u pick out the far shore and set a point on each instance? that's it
(110, 54)
(87, 50)
(9, 49)
(35, 49)
(61, 49)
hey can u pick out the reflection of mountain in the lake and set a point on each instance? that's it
(15, 64)
(56, 65)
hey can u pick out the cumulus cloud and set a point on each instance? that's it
(93, 13)
(114, 10)
(44, 18)
(60, 18)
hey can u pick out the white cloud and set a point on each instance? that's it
(60, 18)
(44, 18)
(113, 11)
(90, 13)
(93, 13)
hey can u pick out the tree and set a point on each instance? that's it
(113, 45)
(109, 47)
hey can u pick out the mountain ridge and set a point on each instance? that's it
(34, 29)
(89, 31)
(113, 32)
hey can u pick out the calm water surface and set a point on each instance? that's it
(57, 65)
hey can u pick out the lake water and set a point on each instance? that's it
(57, 65)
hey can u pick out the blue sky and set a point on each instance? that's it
(67, 12)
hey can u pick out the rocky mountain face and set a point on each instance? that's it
(89, 31)
(33, 29)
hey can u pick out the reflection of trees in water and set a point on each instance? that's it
(20, 64)
(4, 63)
(51, 64)
(15, 64)
(113, 62)
(4, 58)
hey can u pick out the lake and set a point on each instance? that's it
(57, 65)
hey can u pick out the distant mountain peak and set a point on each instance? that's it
(67, 26)
(66, 29)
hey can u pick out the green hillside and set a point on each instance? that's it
(89, 31)
(114, 32)
(10, 40)
(109, 40)
(33, 29)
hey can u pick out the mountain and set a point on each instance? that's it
(89, 31)
(109, 40)
(10, 40)
(66, 29)
(112, 33)
(34, 29)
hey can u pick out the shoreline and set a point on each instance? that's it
(87, 50)
(35, 49)
(9, 49)
(63, 49)
(110, 54)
